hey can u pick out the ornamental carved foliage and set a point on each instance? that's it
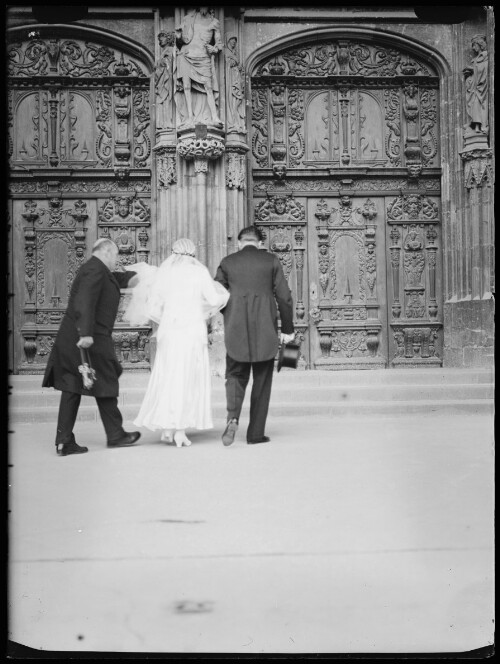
(104, 141)
(260, 123)
(428, 131)
(57, 215)
(296, 143)
(344, 57)
(393, 124)
(75, 58)
(281, 245)
(332, 184)
(349, 313)
(349, 341)
(279, 208)
(346, 214)
(142, 142)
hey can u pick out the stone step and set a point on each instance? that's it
(286, 409)
(434, 376)
(48, 397)
(307, 393)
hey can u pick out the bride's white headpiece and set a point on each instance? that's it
(145, 303)
(184, 246)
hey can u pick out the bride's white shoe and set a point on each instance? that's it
(167, 436)
(181, 439)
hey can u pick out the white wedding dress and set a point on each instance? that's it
(179, 295)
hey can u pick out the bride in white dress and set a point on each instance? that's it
(179, 295)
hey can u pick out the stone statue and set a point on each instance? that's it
(235, 86)
(476, 87)
(163, 78)
(198, 41)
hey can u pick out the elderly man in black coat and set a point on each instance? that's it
(256, 282)
(88, 323)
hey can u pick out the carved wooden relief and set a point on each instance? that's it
(344, 57)
(260, 123)
(371, 266)
(281, 221)
(68, 57)
(414, 251)
(74, 107)
(126, 220)
(346, 315)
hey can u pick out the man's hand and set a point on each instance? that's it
(85, 342)
(286, 338)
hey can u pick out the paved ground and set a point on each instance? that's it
(351, 535)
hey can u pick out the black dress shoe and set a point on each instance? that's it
(264, 439)
(70, 448)
(229, 432)
(124, 441)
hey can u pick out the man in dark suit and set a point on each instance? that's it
(88, 323)
(256, 283)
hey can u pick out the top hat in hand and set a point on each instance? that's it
(289, 355)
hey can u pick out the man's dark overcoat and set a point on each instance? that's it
(92, 308)
(256, 282)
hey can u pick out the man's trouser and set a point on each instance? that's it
(68, 409)
(237, 377)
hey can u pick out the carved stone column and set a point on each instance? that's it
(199, 147)
(236, 146)
(469, 310)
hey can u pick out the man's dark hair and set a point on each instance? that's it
(250, 233)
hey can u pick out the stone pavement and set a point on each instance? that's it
(342, 535)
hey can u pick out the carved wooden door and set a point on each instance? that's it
(80, 150)
(346, 191)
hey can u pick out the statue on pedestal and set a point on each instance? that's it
(476, 87)
(198, 41)
(163, 81)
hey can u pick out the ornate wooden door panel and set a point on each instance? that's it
(80, 153)
(345, 152)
